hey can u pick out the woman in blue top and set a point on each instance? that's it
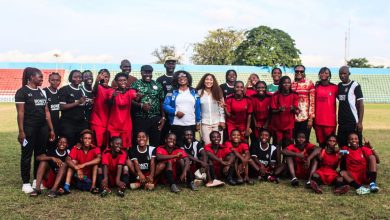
(182, 106)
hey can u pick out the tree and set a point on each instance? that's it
(358, 63)
(217, 47)
(265, 46)
(164, 51)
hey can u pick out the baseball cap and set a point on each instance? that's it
(170, 58)
(147, 68)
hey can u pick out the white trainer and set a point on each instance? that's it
(34, 185)
(27, 188)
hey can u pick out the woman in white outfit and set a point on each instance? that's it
(211, 104)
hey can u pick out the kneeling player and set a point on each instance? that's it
(142, 158)
(358, 165)
(113, 171)
(168, 157)
(299, 160)
(264, 156)
(328, 163)
(220, 159)
(52, 166)
(84, 160)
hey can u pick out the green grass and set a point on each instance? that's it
(263, 200)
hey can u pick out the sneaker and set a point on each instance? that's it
(149, 186)
(198, 182)
(341, 190)
(192, 186)
(120, 193)
(308, 185)
(199, 175)
(35, 193)
(271, 179)
(373, 187)
(104, 193)
(135, 186)
(315, 187)
(231, 182)
(52, 194)
(26, 188)
(174, 188)
(204, 176)
(34, 185)
(294, 182)
(362, 190)
(239, 181)
(215, 183)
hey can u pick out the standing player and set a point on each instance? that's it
(261, 102)
(276, 74)
(113, 172)
(250, 84)
(358, 165)
(86, 87)
(53, 100)
(166, 83)
(101, 108)
(83, 160)
(284, 106)
(238, 111)
(143, 159)
(325, 107)
(34, 123)
(306, 93)
(119, 121)
(351, 107)
(228, 87)
(72, 102)
(53, 168)
(126, 69)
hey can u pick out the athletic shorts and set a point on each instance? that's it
(322, 132)
(327, 175)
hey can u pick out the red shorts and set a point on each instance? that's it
(301, 172)
(322, 132)
(125, 135)
(48, 182)
(259, 125)
(359, 177)
(283, 135)
(327, 175)
(101, 136)
(240, 127)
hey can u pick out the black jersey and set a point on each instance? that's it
(193, 149)
(35, 102)
(265, 156)
(53, 102)
(89, 102)
(56, 154)
(68, 94)
(143, 158)
(166, 82)
(348, 95)
(226, 90)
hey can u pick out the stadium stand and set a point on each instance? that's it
(374, 81)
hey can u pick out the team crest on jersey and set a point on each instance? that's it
(267, 156)
(346, 90)
(330, 93)
(29, 95)
(362, 155)
(71, 94)
(155, 87)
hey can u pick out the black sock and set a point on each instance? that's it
(354, 185)
(125, 178)
(169, 176)
(212, 174)
(371, 176)
(338, 184)
(99, 179)
(190, 177)
(317, 180)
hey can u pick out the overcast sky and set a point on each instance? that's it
(107, 31)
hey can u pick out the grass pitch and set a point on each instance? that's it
(261, 201)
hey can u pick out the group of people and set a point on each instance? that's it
(135, 133)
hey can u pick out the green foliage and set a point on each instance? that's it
(217, 47)
(265, 46)
(164, 51)
(359, 63)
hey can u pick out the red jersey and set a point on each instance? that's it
(329, 160)
(250, 92)
(81, 157)
(325, 105)
(283, 120)
(356, 160)
(241, 148)
(101, 108)
(163, 151)
(239, 110)
(261, 109)
(307, 150)
(221, 152)
(111, 162)
(120, 119)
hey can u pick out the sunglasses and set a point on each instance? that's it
(299, 71)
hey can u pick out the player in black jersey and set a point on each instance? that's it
(34, 122)
(87, 77)
(53, 100)
(228, 87)
(72, 101)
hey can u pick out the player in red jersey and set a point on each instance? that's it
(113, 172)
(119, 122)
(238, 109)
(220, 159)
(242, 158)
(169, 157)
(261, 103)
(284, 105)
(52, 168)
(325, 106)
(83, 159)
(358, 165)
(250, 85)
(101, 108)
(329, 159)
(300, 162)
